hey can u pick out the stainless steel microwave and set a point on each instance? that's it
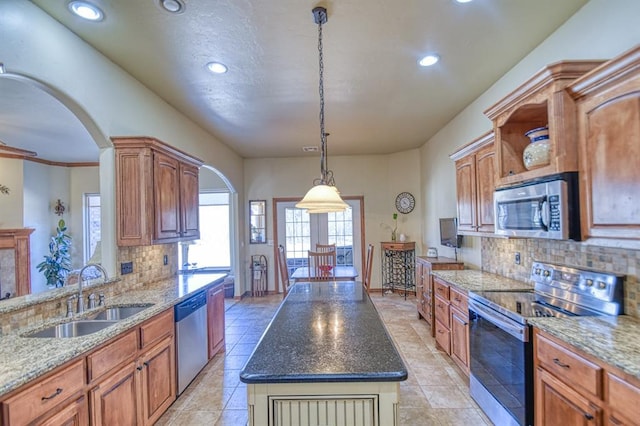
(543, 208)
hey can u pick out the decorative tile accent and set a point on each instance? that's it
(498, 258)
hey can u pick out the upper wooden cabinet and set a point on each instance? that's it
(156, 192)
(608, 105)
(475, 183)
(541, 101)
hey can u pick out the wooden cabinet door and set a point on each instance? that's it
(460, 338)
(609, 167)
(115, 401)
(419, 289)
(75, 413)
(485, 176)
(166, 182)
(189, 202)
(134, 196)
(215, 319)
(558, 404)
(466, 192)
(158, 380)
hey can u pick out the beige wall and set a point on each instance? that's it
(107, 100)
(600, 30)
(378, 178)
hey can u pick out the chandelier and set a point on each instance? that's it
(323, 197)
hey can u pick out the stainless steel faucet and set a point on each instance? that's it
(80, 281)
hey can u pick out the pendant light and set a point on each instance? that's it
(323, 197)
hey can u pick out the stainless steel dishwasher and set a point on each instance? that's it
(191, 338)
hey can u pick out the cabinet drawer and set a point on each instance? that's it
(156, 328)
(622, 396)
(112, 355)
(44, 395)
(568, 366)
(441, 289)
(441, 311)
(458, 299)
(443, 337)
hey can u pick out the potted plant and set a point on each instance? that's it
(57, 264)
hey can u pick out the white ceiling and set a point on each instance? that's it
(378, 100)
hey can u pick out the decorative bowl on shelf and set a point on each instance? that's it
(536, 154)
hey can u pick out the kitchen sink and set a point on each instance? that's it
(116, 313)
(73, 329)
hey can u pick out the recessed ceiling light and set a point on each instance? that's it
(86, 10)
(217, 67)
(172, 6)
(464, 1)
(429, 60)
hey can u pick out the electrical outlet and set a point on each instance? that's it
(165, 260)
(126, 268)
(517, 258)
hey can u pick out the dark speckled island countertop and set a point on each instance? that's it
(23, 359)
(325, 332)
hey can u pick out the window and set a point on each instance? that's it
(213, 249)
(91, 228)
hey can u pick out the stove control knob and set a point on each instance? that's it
(602, 285)
(589, 283)
(546, 273)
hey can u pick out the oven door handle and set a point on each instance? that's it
(519, 331)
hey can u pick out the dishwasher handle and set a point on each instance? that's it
(189, 306)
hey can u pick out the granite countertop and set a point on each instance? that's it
(474, 280)
(614, 340)
(325, 333)
(23, 359)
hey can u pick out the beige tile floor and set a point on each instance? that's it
(436, 393)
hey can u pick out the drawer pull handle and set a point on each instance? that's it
(139, 368)
(53, 395)
(457, 300)
(559, 363)
(588, 416)
(146, 363)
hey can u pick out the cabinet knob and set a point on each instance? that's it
(139, 368)
(588, 416)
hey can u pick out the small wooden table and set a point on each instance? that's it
(342, 273)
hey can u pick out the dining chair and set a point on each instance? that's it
(367, 268)
(284, 271)
(325, 247)
(321, 265)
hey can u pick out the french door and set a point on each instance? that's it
(299, 232)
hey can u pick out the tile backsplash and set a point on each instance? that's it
(498, 256)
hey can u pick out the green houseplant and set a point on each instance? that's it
(57, 264)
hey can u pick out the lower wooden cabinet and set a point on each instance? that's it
(115, 400)
(460, 338)
(75, 413)
(215, 319)
(424, 284)
(130, 380)
(452, 322)
(574, 388)
(558, 404)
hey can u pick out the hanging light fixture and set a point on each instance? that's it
(323, 197)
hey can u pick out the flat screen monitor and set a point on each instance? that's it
(449, 232)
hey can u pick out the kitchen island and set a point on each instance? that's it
(325, 358)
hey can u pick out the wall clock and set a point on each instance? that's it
(405, 202)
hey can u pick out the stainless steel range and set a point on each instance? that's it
(501, 380)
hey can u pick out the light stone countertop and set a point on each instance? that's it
(614, 340)
(474, 280)
(23, 359)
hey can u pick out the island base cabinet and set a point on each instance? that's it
(298, 404)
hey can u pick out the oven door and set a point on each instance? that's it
(501, 379)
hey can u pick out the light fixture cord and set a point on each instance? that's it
(326, 175)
